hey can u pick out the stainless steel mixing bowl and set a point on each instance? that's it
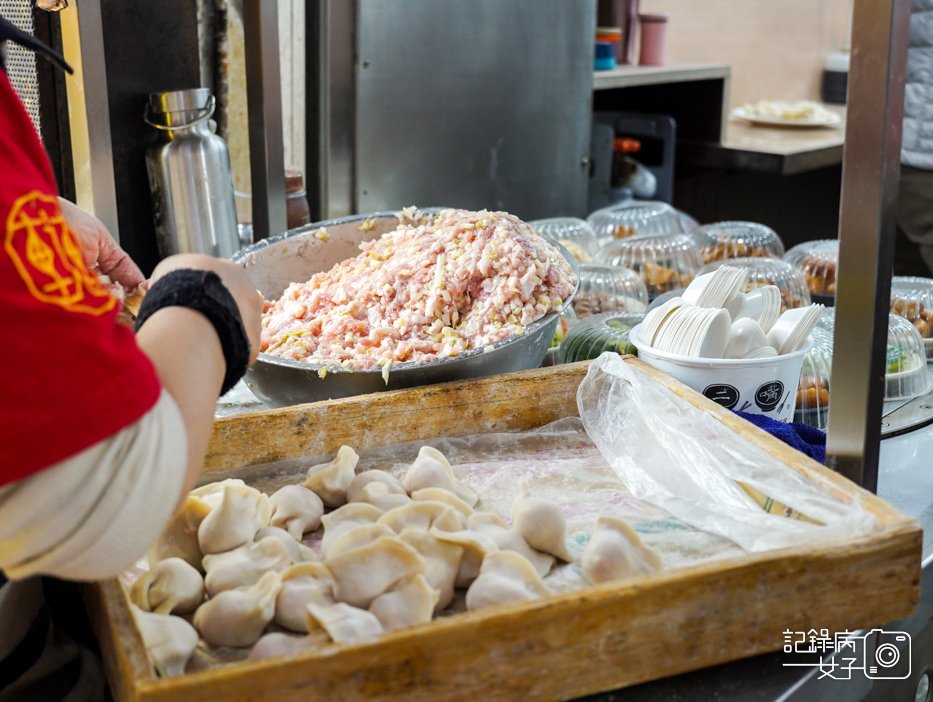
(296, 255)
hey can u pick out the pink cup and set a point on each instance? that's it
(653, 31)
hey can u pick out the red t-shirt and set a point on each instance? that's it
(70, 375)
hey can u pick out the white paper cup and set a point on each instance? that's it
(766, 386)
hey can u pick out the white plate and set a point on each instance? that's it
(830, 120)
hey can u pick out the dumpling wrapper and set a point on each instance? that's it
(615, 552)
(446, 497)
(170, 641)
(278, 644)
(423, 516)
(411, 601)
(244, 566)
(366, 572)
(505, 577)
(379, 495)
(238, 617)
(541, 524)
(297, 551)
(180, 537)
(296, 509)
(344, 624)
(475, 548)
(356, 537)
(170, 586)
(345, 518)
(509, 540)
(432, 469)
(368, 477)
(302, 584)
(330, 481)
(241, 512)
(441, 562)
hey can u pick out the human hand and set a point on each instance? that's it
(100, 252)
(247, 298)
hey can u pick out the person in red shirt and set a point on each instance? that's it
(102, 432)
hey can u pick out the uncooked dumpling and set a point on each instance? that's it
(302, 584)
(446, 497)
(331, 480)
(241, 512)
(410, 601)
(368, 477)
(541, 524)
(432, 469)
(616, 553)
(441, 562)
(347, 517)
(345, 624)
(278, 644)
(180, 538)
(238, 617)
(168, 587)
(170, 641)
(356, 537)
(296, 509)
(244, 566)
(380, 495)
(504, 577)
(509, 540)
(366, 572)
(421, 515)
(475, 548)
(297, 551)
(212, 493)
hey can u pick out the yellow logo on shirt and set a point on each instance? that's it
(47, 257)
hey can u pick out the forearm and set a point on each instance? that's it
(186, 353)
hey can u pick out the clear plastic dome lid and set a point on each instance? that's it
(635, 218)
(592, 336)
(771, 271)
(817, 260)
(663, 262)
(906, 374)
(566, 319)
(813, 390)
(609, 289)
(912, 298)
(726, 240)
(573, 234)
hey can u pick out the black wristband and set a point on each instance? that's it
(205, 292)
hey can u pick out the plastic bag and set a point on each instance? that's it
(683, 460)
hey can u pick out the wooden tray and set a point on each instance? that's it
(600, 638)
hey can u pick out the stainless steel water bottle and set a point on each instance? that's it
(190, 177)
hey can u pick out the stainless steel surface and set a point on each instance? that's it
(480, 104)
(276, 262)
(871, 165)
(911, 415)
(97, 104)
(336, 86)
(190, 177)
(264, 102)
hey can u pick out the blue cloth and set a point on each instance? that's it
(802, 437)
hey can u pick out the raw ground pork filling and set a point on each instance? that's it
(463, 280)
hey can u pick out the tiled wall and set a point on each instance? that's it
(777, 48)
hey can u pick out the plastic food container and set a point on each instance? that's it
(573, 234)
(727, 240)
(813, 389)
(770, 271)
(600, 332)
(663, 262)
(609, 289)
(906, 373)
(817, 261)
(635, 218)
(912, 298)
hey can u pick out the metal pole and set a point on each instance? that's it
(870, 171)
(264, 103)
